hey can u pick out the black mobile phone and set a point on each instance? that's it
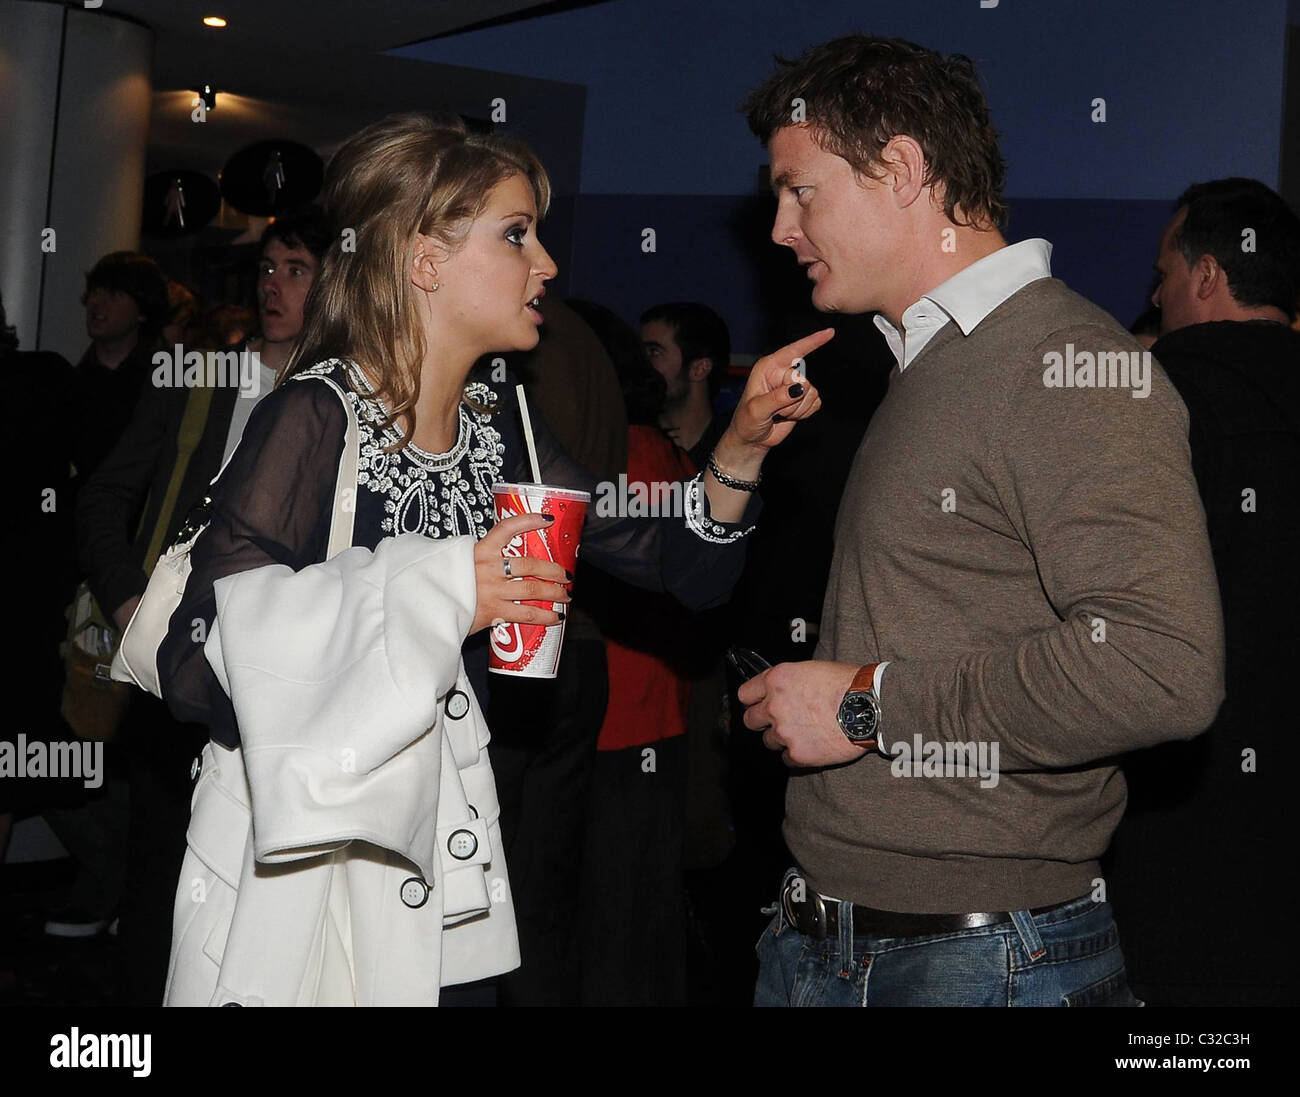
(746, 663)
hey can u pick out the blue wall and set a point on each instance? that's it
(1193, 91)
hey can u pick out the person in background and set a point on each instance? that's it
(633, 901)
(1203, 815)
(184, 310)
(689, 346)
(544, 733)
(126, 309)
(1146, 328)
(175, 444)
(40, 530)
(224, 326)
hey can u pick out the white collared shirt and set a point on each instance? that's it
(967, 297)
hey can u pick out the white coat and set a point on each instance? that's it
(349, 852)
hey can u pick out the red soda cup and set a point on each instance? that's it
(533, 651)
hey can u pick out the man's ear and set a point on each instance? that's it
(700, 368)
(904, 164)
(1207, 277)
(425, 261)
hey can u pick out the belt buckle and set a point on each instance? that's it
(808, 916)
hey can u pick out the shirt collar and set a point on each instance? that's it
(975, 291)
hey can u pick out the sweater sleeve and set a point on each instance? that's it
(1098, 484)
(271, 505)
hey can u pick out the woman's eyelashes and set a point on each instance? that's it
(515, 234)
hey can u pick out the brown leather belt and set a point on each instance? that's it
(816, 917)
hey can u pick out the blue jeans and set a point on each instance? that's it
(1068, 956)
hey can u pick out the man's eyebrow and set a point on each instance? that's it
(787, 177)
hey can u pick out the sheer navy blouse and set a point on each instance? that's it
(273, 504)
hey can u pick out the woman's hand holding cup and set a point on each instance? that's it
(530, 579)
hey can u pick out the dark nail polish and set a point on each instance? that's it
(778, 418)
(568, 575)
(796, 390)
(549, 517)
(561, 613)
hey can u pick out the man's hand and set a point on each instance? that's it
(797, 703)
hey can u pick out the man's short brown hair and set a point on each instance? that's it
(860, 91)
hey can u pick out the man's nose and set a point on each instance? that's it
(783, 231)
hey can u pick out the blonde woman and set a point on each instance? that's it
(344, 845)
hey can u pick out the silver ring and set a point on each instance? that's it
(506, 561)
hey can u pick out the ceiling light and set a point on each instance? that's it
(213, 21)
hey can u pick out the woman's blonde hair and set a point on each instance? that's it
(403, 175)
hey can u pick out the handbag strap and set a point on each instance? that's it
(345, 488)
(343, 516)
(187, 440)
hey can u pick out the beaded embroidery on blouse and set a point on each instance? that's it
(433, 494)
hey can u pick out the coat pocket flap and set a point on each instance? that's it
(218, 831)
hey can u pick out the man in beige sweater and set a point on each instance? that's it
(1022, 585)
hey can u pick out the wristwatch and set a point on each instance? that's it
(859, 714)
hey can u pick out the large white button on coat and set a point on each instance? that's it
(462, 844)
(415, 892)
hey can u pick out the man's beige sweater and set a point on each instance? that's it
(1033, 560)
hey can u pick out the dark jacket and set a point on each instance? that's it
(102, 403)
(1194, 875)
(118, 508)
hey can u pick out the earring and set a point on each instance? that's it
(434, 288)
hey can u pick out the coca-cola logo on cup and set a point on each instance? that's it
(507, 642)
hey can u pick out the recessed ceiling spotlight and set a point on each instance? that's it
(208, 94)
(213, 21)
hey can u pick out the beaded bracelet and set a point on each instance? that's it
(730, 481)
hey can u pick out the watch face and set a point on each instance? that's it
(859, 715)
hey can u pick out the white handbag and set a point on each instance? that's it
(137, 654)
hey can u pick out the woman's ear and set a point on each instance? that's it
(428, 256)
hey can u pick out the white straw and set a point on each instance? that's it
(528, 433)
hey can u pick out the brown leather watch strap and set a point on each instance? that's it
(865, 680)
